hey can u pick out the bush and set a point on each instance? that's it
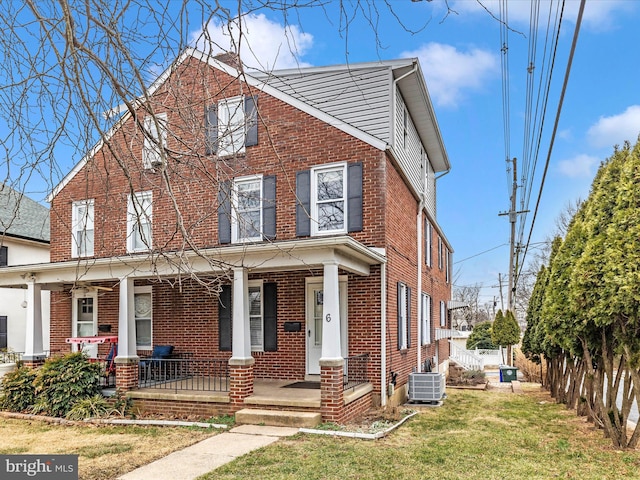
(481, 337)
(63, 381)
(90, 407)
(19, 391)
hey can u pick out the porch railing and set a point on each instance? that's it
(465, 358)
(355, 371)
(202, 374)
(10, 357)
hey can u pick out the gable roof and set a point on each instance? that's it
(359, 94)
(22, 217)
(414, 89)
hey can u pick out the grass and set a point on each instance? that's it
(474, 435)
(105, 452)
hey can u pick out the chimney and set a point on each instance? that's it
(230, 58)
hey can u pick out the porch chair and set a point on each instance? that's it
(151, 366)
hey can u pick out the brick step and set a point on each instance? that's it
(278, 418)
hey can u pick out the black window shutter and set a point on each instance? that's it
(211, 129)
(251, 119)
(224, 212)
(4, 256)
(269, 207)
(303, 206)
(224, 319)
(426, 241)
(270, 317)
(399, 315)
(408, 317)
(3, 330)
(354, 196)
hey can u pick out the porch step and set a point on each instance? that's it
(278, 418)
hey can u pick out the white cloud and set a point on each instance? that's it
(598, 16)
(264, 44)
(578, 166)
(614, 130)
(451, 72)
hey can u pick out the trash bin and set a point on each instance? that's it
(508, 374)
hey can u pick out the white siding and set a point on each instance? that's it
(357, 97)
(410, 153)
(23, 253)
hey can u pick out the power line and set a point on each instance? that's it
(557, 120)
(481, 253)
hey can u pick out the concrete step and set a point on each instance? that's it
(278, 418)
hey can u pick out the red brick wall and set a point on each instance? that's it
(402, 265)
(289, 141)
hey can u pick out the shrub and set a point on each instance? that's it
(90, 407)
(19, 391)
(63, 381)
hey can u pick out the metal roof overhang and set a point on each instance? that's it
(349, 254)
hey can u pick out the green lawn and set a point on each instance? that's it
(474, 435)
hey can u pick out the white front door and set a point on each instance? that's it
(85, 321)
(314, 323)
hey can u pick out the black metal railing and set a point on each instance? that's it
(11, 357)
(355, 371)
(202, 374)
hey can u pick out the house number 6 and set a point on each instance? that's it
(328, 317)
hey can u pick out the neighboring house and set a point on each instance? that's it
(271, 228)
(24, 239)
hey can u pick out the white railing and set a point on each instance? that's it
(465, 358)
(444, 333)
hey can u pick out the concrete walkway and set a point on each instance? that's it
(209, 454)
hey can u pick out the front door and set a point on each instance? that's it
(314, 323)
(85, 321)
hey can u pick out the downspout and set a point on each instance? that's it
(383, 335)
(420, 207)
(419, 261)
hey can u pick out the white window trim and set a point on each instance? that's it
(235, 224)
(145, 289)
(425, 313)
(314, 198)
(135, 216)
(258, 283)
(443, 314)
(403, 310)
(154, 142)
(439, 253)
(225, 145)
(77, 223)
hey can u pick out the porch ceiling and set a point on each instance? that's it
(350, 255)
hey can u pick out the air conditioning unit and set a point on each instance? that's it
(426, 387)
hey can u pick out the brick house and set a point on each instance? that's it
(272, 228)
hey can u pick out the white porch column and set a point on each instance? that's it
(331, 348)
(241, 335)
(126, 320)
(33, 349)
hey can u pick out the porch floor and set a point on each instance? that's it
(265, 393)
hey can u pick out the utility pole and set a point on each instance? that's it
(513, 216)
(501, 297)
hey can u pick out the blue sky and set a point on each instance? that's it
(460, 57)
